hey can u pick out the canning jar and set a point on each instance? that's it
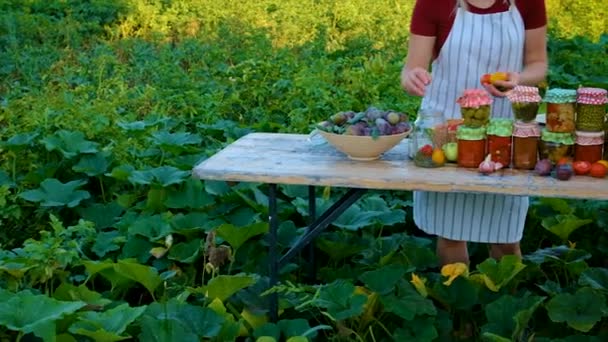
(561, 110)
(475, 107)
(525, 144)
(428, 136)
(525, 101)
(471, 145)
(591, 109)
(589, 146)
(499, 134)
(555, 146)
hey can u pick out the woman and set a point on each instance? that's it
(465, 39)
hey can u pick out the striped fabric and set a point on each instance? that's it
(477, 44)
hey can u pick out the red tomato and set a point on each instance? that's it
(598, 170)
(581, 167)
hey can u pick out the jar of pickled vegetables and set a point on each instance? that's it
(499, 134)
(591, 109)
(525, 101)
(589, 146)
(525, 144)
(555, 146)
(471, 145)
(475, 107)
(561, 109)
(427, 137)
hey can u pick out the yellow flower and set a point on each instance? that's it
(571, 244)
(453, 271)
(419, 284)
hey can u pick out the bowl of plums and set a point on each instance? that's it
(365, 135)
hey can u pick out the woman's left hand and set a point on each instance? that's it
(500, 88)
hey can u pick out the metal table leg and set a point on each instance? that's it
(272, 251)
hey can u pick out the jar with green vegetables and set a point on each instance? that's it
(591, 109)
(555, 146)
(475, 107)
(525, 101)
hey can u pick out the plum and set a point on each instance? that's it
(543, 167)
(384, 128)
(393, 118)
(372, 113)
(356, 129)
(339, 118)
(401, 127)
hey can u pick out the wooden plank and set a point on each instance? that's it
(293, 159)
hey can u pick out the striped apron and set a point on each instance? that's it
(477, 44)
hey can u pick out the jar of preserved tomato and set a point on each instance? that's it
(471, 145)
(475, 107)
(427, 137)
(525, 101)
(555, 146)
(561, 109)
(499, 134)
(525, 144)
(589, 146)
(591, 109)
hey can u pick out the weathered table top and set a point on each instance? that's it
(295, 159)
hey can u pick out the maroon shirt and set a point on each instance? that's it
(434, 18)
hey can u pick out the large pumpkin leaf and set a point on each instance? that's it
(509, 316)
(340, 300)
(53, 193)
(224, 286)
(107, 326)
(29, 313)
(499, 274)
(163, 176)
(193, 319)
(383, 279)
(69, 292)
(236, 236)
(20, 140)
(581, 311)
(191, 195)
(186, 252)
(69, 143)
(564, 225)
(92, 164)
(407, 303)
(595, 277)
(125, 271)
(153, 227)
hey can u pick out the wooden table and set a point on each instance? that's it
(274, 158)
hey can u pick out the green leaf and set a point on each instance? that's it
(92, 164)
(561, 254)
(509, 316)
(341, 244)
(103, 215)
(502, 272)
(419, 329)
(407, 303)
(122, 172)
(186, 252)
(70, 293)
(163, 176)
(107, 242)
(109, 325)
(217, 188)
(20, 140)
(53, 193)
(165, 139)
(383, 279)
(236, 236)
(29, 313)
(340, 300)
(124, 272)
(223, 287)
(564, 225)
(165, 330)
(200, 321)
(581, 311)
(294, 327)
(595, 277)
(194, 223)
(69, 143)
(153, 227)
(494, 338)
(190, 195)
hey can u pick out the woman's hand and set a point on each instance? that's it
(415, 80)
(500, 88)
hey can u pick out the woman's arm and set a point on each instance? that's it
(414, 75)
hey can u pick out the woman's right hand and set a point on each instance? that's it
(415, 80)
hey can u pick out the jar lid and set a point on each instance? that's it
(593, 96)
(524, 94)
(556, 137)
(559, 95)
(526, 129)
(471, 133)
(474, 97)
(589, 138)
(501, 127)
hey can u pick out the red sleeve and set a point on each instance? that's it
(424, 19)
(533, 12)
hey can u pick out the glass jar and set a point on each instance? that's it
(450, 147)
(475, 107)
(471, 145)
(499, 134)
(555, 146)
(525, 101)
(589, 146)
(428, 136)
(561, 109)
(591, 109)
(525, 144)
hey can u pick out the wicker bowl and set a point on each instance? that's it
(358, 147)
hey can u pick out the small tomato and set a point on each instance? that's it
(598, 170)
(581, 167)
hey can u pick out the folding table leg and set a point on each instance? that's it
(272, 251)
